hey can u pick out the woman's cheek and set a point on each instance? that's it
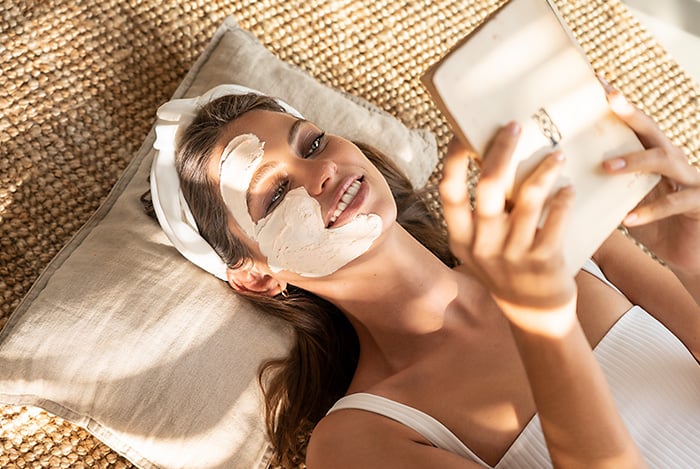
(294, 237)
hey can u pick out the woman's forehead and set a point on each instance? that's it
(268, 126)
(265, 124)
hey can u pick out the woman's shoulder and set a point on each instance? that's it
(343, 436)
(353, 438)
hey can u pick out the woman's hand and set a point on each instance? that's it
(667, 221)
(521, 263)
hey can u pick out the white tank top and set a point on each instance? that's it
(654, 379)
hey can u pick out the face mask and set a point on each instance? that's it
(293, 236)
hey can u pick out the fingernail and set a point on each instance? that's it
(606, 85)
(558, 156)
(513, 128)
(615, 164)
(630, 219)
(619, 104)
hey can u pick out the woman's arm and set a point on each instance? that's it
(579, 418)
(522, 266)
(667, 222)
(645, 282)
(668, 219)
(691, 283)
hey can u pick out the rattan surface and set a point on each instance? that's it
(80, 82)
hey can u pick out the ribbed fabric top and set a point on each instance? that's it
(430, 428)
(654, 379)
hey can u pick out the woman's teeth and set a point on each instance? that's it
(346, 199)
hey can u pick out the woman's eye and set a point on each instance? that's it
(277, 196)
(315, 145)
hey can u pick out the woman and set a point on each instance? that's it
(306, 225)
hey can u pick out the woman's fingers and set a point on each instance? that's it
(530, 201)
(644, 126)
(675, 203)
(678, 191)
(490, 225)
(676, 194)
(661, 156)
(666, 161)
(483, 230)
(500, 246)
(551, 235)
(493, 180)
(454, 194)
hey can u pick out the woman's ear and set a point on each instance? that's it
(250, 278)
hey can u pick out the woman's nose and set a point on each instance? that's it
(318, 174)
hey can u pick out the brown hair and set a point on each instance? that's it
(301, 387)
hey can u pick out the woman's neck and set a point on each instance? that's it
(400, 272)
(396, 296)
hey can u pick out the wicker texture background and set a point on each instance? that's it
(80, 82)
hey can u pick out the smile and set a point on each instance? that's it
(345, 200)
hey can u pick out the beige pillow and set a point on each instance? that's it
(123, 336)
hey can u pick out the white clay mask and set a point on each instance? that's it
(293, 236)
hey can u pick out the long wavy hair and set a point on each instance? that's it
(300, 388)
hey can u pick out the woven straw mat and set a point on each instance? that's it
(81, 80)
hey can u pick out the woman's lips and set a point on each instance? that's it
(349, 203)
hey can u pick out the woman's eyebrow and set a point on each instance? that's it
(259, 175)
(295, 130)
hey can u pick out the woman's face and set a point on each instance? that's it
(305, 202)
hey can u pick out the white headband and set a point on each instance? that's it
(171, 209)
